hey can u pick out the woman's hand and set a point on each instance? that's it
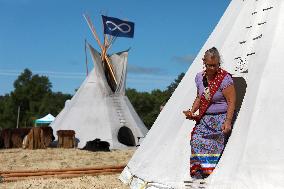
(189, 115)
(227, 127)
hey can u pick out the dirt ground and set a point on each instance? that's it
(56, 158)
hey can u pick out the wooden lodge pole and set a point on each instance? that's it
(103, 49)
(10, 176)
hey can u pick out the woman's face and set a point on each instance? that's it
(211, 64)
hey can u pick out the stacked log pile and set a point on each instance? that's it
(33, 137)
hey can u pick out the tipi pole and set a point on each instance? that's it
(93, 30)
(86, 58)
(104, 56)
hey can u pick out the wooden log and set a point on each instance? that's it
(59, 173)
(65, 169)
(65, 176)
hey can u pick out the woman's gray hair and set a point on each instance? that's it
(213, 52)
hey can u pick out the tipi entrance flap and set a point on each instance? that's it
(99, 71)
(119, 65)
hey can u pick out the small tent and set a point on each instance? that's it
(45, 120)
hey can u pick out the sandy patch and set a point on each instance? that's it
(55, 158)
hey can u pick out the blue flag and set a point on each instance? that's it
(117, 27)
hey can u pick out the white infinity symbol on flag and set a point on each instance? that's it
(118, 27)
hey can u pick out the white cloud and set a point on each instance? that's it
(51, 74)
(187, 59)
(144, 70)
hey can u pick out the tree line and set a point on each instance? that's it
(33, 97)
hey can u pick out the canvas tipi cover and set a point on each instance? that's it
(95, 111)
(250, 38)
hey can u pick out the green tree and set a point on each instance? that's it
(7, 115)
(53, 103)
(33, 95)
(143, 104)
(28, 94)
(172, 87)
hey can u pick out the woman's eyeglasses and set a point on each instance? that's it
(210, 65)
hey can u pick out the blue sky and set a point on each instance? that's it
(47, 37)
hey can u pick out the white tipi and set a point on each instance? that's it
(250, 37)
(95, 111)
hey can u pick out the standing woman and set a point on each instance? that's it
(215, 100)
